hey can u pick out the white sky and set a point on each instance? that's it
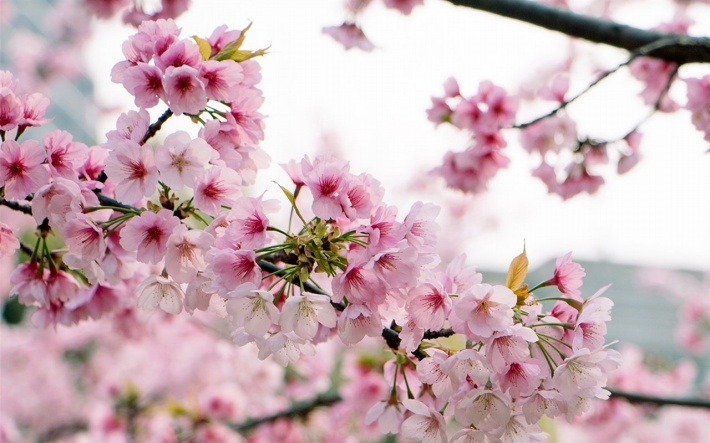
(374, 105)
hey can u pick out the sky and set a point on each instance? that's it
(370, 107)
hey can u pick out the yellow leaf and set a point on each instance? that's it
(517, 271)
(242, 35)
(205, 47)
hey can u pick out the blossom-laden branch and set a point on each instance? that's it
(680, 49)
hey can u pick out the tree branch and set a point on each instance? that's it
(660, 401)
(300, 409)
(16, 206)
(155, 127)
(685, 49)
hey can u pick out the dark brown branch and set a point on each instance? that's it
(61, 431)
(278, 271)
(155, 127)
(685, 49)
(298, 410)
(660, 401)
(16, 206)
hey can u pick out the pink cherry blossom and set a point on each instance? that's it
(58, 201)
(471, 169)
(485, 409)
(131, 125)
(284, 348)
(425, 425)
(8, 241)
(357, 321)
(21, 169)
(431, 371)
(521, 378)
(221, 79)
(584, 373)
(429, 305)
(84, 238)
(180, 159)
(10, 109)
(148, 235)
(248, 223)
(302, 314)
(145, 83)
(184, 257)
(483, 310)
(230, 268)
(568, 276)
(184, 90)
(325, 177)
(245, 117)
(215, 188)
(252, 309)
(550, 135)
(350, 36)
(64, 155)
(156, 291)
(509, 346)
(359, 285)
(389, 415)
(179, 53)
(132, 167)
(34, 106)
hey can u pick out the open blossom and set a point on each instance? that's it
(357, 321)
(64, 155)
(184, 90)
(509, 346)
(483, 310)
(148, 235)
(84, 238)
(425, 425)
(180, 159)
(21, 169)
(157, 291)
(326, 179)
(131, 125)
(568, 276)
(215, 188)
(252, 309)
(132, 167)
(584, 373)
(184, 257)
(302, 314)
(145, 83)
(58, 201)
(230, 268)
(485, 409)
(284, 348)
(429, 305)
(221, 79)
(431, 371)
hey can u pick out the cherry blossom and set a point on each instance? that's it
(21, 168)
(148, 235)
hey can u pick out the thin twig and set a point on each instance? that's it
(640, 52)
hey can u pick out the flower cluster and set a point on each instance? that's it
(483, 115)
(167, 227)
